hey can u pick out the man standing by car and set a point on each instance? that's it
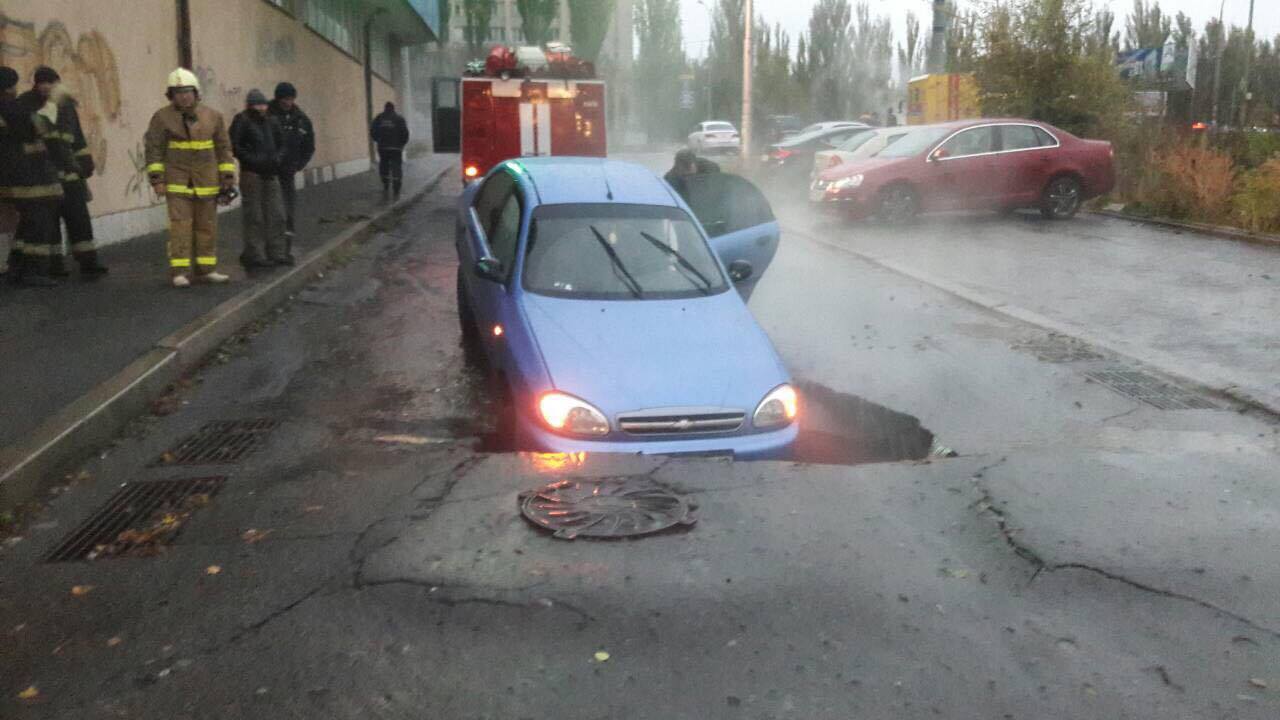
(299, 147)
(258, 143)
(391, 133)
(686, 164)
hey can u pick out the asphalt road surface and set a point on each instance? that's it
(1086, 555)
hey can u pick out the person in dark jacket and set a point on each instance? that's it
(258, 143)
(299, 147)
(73, 211)
(391, 133)
(30, 163)
(686, 164)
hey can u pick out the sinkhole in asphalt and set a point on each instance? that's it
(835, 429)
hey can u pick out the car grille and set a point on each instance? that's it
(681, 422)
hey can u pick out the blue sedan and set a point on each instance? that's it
(608, 318)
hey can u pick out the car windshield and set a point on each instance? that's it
(914, 143)
(857, 141)
(618, 252)
(718, 127)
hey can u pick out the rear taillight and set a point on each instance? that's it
(833, 162)
(780, 154)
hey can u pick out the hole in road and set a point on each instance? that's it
(842, 429)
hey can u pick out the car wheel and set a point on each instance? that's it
(899, 204)
(1061, 198)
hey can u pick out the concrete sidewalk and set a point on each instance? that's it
(61, 343)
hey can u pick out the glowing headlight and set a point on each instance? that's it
(847, 183)
(778, 408)
(569, 415)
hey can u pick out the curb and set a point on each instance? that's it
(94, 418)
(1218, 231)
(1164, 362)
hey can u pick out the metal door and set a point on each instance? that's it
(446, 115)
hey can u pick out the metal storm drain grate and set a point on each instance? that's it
(139, 520)
(1058, 349)
(605, 508)
(217, 443)
(1150, 390)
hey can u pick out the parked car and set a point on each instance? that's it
(605, 312)
(829, 125)
(791, 159)
(780, 127)
(996, 164)
(715, 136)
(857, 147)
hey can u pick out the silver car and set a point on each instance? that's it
(715, 136)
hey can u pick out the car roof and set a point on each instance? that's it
(573, 180)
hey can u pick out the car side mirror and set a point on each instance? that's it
(490, 268)
(740, 270)
(939, 154)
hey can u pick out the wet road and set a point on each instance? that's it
(1085, 556)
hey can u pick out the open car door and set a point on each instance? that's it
(738, 221)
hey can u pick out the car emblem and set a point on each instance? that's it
(684, 424)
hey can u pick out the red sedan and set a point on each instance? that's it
(972, 164)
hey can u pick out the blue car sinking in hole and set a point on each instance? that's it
(610, 314)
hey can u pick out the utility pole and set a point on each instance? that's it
(1217, 67)
(938, 40)
(1244, 79)
(746, 80)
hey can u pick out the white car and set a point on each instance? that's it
(831, 125)
(858, 147)
(715, 136)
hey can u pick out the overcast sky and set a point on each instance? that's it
(794, 15)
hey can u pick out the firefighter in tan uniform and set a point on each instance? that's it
(189, 161)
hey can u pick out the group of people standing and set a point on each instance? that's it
(191, 157)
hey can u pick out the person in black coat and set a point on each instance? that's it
(391, 133)
(258, 143)
(299, 147)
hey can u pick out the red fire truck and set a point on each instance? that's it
(522, 103)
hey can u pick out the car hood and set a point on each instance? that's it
(623, 356)
(859, 166)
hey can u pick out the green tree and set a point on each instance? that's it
(588, 25)
(1147, 26)
(446, 13)
(659, 64)
(724, 58)
(1034, 64)
(910, 55)
(830, 46)
(535, 19)
(962, 42)
(1101, 39)
(477, 14)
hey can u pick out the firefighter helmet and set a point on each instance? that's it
(183, 78)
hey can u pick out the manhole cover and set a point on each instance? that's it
(218, 443)
(139, 519)
(605, 508)
(1150, 390)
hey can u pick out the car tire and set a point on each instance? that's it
(1061, 198)
(899, 204)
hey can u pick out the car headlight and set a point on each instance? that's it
(847, 183)
(567, 414)
(779, 408)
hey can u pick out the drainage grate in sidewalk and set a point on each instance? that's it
(138, 520)
(219, 443)
(1150, 390)
(1057, 349)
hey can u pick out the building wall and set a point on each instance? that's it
(116, 62)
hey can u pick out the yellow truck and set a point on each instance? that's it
(941, 97)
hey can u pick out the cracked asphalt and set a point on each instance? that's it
(1083, 557)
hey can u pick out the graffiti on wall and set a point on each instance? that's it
(87, 66)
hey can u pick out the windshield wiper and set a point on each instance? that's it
(680, 258)
(632, 285)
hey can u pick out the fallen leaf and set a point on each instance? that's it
(602, 656)
(213, 570)
(252, 536)
(167, 457)
(19, 628)
(31, 693)
(112, 642)
(81, 590)
(1258, 683)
